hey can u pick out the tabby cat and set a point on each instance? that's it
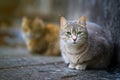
(41, 38)
(85, 44)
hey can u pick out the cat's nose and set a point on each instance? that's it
(74, 38)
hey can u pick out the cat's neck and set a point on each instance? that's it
(76, 48)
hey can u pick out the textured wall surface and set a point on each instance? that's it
(110, 19)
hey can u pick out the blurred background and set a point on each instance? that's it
(12, 11)
(102, 12)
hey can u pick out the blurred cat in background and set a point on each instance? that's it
(41, 38)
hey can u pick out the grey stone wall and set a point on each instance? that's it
(110, 18)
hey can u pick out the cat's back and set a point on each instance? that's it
(94, 29)
(97, 31)
(99, 35)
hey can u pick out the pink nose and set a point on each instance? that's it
(74, 38)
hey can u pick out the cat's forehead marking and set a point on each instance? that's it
(73, 26)
(73, 23)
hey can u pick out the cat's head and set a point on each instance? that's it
(73, 32)
(37, 26)
(32, 27)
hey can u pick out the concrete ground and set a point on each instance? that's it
(18, 64)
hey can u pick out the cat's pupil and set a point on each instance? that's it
(69, 33)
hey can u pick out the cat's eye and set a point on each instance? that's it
(69, 33)
(78, 33)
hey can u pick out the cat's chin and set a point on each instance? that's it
(74, 43)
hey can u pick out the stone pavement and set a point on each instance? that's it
(18, 64)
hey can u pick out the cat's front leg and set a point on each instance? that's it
(65, 58)
(81, 66)
(72, 66)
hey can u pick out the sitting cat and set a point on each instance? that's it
(41, 38)
(85, 44)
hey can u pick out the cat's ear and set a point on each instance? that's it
(63, 22)
(25, 22)
(82, 21)
(38, 22)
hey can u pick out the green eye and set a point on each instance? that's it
(78, 32)
(69, 33)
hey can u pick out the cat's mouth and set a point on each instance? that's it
(74, 42)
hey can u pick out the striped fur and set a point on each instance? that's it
(92, 48)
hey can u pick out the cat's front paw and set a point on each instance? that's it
(80, 67)
(72, 66)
